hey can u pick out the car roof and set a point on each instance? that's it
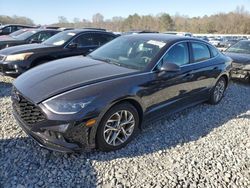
(40, 29)
(76, 31)
(6, 25)
(161, 37)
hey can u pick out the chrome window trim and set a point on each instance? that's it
(152, 70)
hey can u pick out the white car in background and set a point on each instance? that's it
(216, 42)
(186, 34)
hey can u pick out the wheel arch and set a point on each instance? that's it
(226, 77)
(132, 101)
(38, 60)
(135, 104)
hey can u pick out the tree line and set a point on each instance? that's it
(235, 22)
(15, 20)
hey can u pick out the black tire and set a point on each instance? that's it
(102, 144)
(213, 97)
(248, 77)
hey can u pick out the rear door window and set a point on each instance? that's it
(100, 39)
(214, 51)
(84, 40)
(44, 36)
(200, 51)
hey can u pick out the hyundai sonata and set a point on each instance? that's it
(99, 101)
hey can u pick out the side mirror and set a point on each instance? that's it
(170, 67)
(72, 46)
(32, 41)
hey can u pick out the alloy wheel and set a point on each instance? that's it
(219, 90)
(119, 127)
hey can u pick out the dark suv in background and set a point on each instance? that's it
(16, 60)
(30, 36)
(7, 29)
(14, 34)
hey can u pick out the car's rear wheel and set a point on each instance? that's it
(218, 91)
(118, 127)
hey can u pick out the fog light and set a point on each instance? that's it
(90, 122)
(59, 128)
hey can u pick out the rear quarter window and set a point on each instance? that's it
(214, 51)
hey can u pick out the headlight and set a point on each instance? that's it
(59, 106)
(18, 57)
(247, 67)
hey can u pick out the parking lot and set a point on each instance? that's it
(204, 146)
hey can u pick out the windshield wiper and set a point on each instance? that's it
(106, 60)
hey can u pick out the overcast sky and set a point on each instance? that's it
(47, 11)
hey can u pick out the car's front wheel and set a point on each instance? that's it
(218, 91)
(118, 127)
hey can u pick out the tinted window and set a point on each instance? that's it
(7, 29)
(44, 36)
(14, 28)
(100, 39)
(214, 51)
(200, 52)
(177, 54)
(84, 40)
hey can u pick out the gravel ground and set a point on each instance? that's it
(204, 146)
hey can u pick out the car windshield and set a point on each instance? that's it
(130, 52)
(25, 35)
(18, 32)
(240, 47)
(60, 38)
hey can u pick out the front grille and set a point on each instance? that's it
(28, 112)
(2, 57)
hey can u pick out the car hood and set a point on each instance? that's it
(11, 42)
(239, 58)
(5, 37)
(62, 75)
(24, 48)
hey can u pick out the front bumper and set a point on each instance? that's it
(12, 69)
(75, 139)
(240, 73)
